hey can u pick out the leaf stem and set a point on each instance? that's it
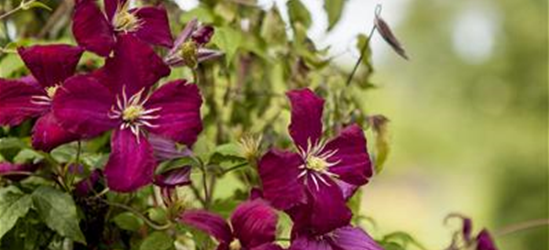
(241, 165)
(362, 53)
(140, 215)
(525, 225)
(21, 6)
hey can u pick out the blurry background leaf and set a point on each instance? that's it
(334, 9)
(298, 13)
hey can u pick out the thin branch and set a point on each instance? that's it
(21, 6)
(521, 227)
(362, 53)
(140, 215)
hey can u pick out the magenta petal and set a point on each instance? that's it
(47, 133)
(51, 64)
(86, 186)
(166, 149)
(310, 243)
(7, 167)
(353, 238)
(179, 114)
(347, 189)
(16, 102)
(268, 246)
(111, 6)
(82, 105)
(131, 163)
(135, 66)
(91, 29)
(328, 210)
(306, 124)
(210, 223)
(155, 27)
(279, 173)
(174, 177)
(485, 241)
(203, 35)
(254, 223)
(354, 165)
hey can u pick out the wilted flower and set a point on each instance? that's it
(188, 49)
(169, 180)
(118, 97)
(32, 96)
(250, 147)
(15, 171)
(252, 226)
(98, 32)
(465, 240)
(322, 174)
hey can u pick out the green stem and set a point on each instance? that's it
(521, 227)
(21, 6)
(241, 165)
(362, 53)
(140, 215)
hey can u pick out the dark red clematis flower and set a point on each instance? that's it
(252, 226)
(118, 97)
(322, 174)
(31, 97)
(98, 31)
(188, 49)
(343, 238)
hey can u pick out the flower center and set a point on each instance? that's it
(316, 164)
(132, 113)
(124, 20)
(189, 53)
(235, 245)
(50, 91)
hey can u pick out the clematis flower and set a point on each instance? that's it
(252, 226)
(14, 171)
(169, 180)
(119, 97)
(98, 31)
(31, 96)
(465, 239)
(322, 174)
(343, 238)
(188, 49)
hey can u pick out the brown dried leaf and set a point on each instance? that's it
(385, 31)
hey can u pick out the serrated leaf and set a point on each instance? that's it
(128, 221)
(58, 211)
(157, 241)
(298, 13)
(334, 9)
(14, 204)
(227, 40)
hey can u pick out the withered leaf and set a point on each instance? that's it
(385, 31)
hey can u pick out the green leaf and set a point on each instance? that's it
(227, 152)
(128, 221)
(10, 64)
(298, 13)
(228, 40)
(14, 204)
(157, 241)
(333, 8)
(36, 4)
(403, 239)
(58, 211)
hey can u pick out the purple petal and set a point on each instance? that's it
(467, 228)
(179, 114)
(208, 54)
(254, 223)
(203, 35)
(268, 246)
(166, 149)
(328, 210)
(354, 165)
(111, 6)
(306, 121)
(279, 173)
(353, 238)
(7, 167)
(86, 186)
(82, 105)
(485, 241)
(310, 243)
(347, 189)
(91, 29)
(134, 66)
(131, 163)
(51, 64)
(174, 177)
(210, 223)
(155, 27)
(16, 102)
(47, 133)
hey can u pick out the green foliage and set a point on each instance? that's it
(128, 221)
(334, 9)
(58, 211)
(298, 13)
(157, 241)
(14, 204)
